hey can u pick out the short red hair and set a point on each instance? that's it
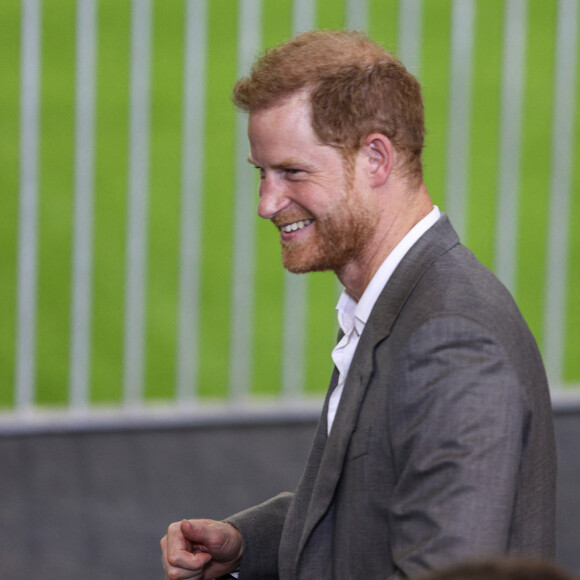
(356, 88)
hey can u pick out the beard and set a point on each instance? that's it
(340, 237)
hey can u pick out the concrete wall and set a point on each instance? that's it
(93, 504)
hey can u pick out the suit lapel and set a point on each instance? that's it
(337, 443)
(297, 513)
(435, 242)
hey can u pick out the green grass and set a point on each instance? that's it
(111, 186)
(9, 156)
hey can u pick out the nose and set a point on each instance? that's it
(273, 198)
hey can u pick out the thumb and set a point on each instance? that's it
(195, 534)
(220, 539)
(193, 531)
(202, 532)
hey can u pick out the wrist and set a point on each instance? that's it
(238, 547)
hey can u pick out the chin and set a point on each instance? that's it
(303, 265)
(297, 264)
(315, 257)
(297, 267)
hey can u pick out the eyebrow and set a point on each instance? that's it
(282, 165)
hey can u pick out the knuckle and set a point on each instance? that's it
(172, 560)
(173, 527)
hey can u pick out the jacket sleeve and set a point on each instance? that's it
(261, 529)
(458, 425)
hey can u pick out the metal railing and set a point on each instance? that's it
(358, 14)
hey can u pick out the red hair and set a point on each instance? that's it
(355, 87)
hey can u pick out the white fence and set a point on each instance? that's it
(411, 23)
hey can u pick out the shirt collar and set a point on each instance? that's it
(346, 312)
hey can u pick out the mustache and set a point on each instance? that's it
(290, 217)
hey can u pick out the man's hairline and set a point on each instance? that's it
(348, 154)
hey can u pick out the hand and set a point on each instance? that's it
(200, 549)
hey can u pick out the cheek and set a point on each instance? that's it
(317, 198)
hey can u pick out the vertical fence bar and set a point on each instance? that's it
(293, 339)
(460, 111)
(295, 286)
(357, 14)
(303, 16)
(514, 43)
(138, 197)
(562, 155)
(409, 38)
(192, 184)
(80, 347)
(249, 40)
(28, 230)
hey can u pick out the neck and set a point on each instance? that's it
(394, 224)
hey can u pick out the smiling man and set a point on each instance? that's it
(306, 193)
(435, 443)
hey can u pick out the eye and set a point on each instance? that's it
(261, 171)
(293, 173)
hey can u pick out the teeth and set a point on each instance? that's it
(295, 226)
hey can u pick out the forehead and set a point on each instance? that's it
(285, 130)
(291, 112)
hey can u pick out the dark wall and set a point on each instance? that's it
(567, 426)
(94, 504)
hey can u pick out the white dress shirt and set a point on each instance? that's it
(352, 315)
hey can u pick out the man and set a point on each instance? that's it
(435, 442)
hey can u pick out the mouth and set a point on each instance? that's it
(295, 226)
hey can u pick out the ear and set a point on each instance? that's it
(380, 156)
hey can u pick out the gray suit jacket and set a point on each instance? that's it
(442, 448)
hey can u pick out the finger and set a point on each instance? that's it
(208, 533)
(177, 554)
(176, 538)
(185, 565)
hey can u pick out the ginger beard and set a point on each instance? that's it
(340, 236)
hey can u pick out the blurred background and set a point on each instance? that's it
(156, 361)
